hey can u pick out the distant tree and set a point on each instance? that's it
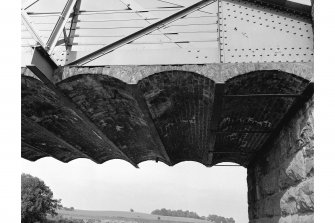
(220, 219)
(36, 200)
(131, 210)
(176, 213)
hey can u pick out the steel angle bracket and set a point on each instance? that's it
(42, 60)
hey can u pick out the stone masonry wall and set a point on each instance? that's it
(281, 183)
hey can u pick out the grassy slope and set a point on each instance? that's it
(126, 216)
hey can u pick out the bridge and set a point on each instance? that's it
(214, 81)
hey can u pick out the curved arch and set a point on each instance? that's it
(172, 116)
(180, 104)
(250, 108)
(219, 73)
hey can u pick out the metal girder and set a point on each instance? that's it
(251, 32)
(261, 95)
(32, 30)
(74, 22)
(144, 107)
(227, 152)
(290, 6)
(109, 48)
(42, 60)
(217, 105)
(28, 4)
(58, 29)
(149, 56)
(241, 131)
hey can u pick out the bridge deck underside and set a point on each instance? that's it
(171, 116)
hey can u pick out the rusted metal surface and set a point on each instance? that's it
(171, 116)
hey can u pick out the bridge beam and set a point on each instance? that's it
(74, 22)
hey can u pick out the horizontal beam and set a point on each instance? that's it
(226, 152)
(109, 48)
(246, 131)
(226, 165)
(262, 95)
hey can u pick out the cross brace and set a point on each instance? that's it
(109, 48)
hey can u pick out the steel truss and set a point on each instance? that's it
(235, 31)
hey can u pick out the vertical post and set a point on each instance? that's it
(220, 32)
(74, 22)
(58, 29)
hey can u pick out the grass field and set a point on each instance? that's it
(123, 217)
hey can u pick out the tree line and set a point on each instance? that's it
(191, 214)
(37, 203)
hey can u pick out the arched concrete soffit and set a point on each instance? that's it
(170, 116)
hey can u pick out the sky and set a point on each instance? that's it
(118, 186)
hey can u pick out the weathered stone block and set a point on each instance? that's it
(299, 199)
(309, 166)
(269, 183)
(292, 171)
(266, 220)
(289, 166)
(297, 219)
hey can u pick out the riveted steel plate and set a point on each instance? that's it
(255, 33)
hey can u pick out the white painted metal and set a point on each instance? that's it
(28, 3)
(147, 15)
(132, 56)
(252, 33)
(58, 29)
(30, 27)
(142, 32)
(220, 31)
(248, 32)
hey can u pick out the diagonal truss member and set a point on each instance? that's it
(128, 39)
(58, 29)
